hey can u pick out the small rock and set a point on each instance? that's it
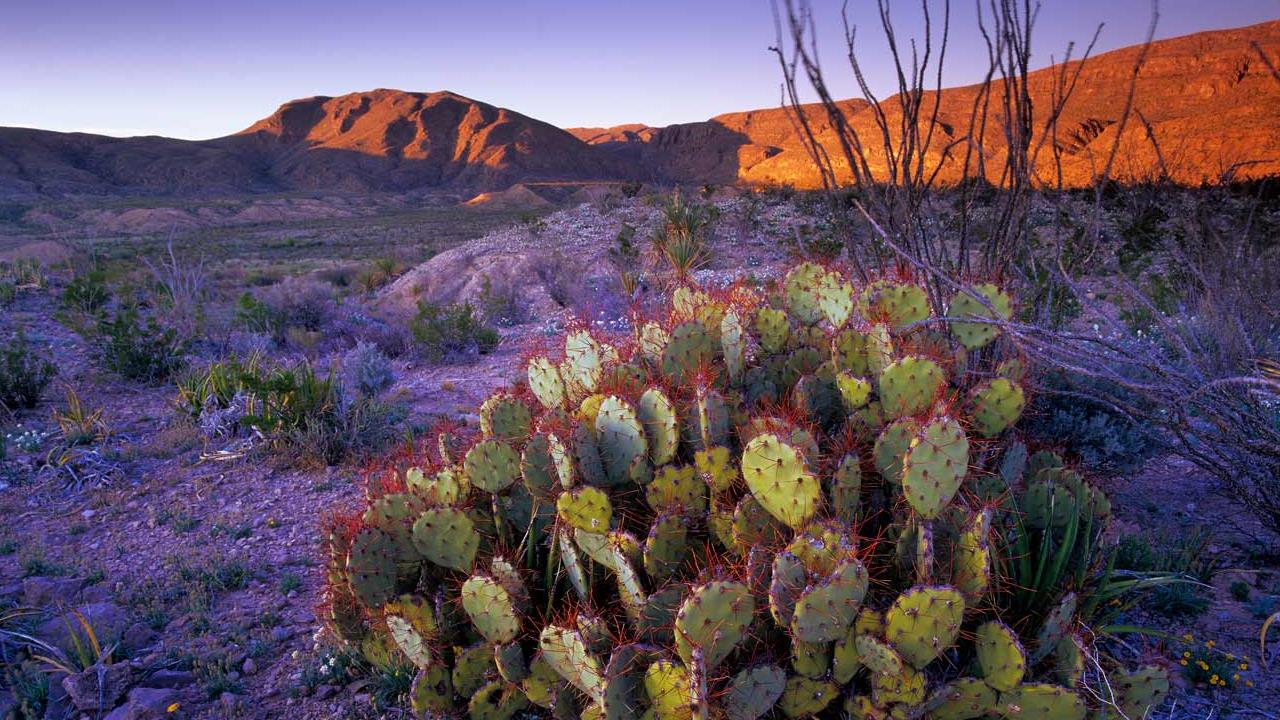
(249, 667)
(169, 679)
(230, 701)
(138, 637)
(282, 634)
(86, 514)
(98, 688)
(324, 692)
(144, 704)
(42, 591)
(107, 619)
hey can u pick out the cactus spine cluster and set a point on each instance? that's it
(761, 504)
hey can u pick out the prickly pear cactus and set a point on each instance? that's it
(763, 503)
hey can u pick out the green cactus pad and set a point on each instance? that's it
(1068, 661)
(879, 349)
(630, 590)
(935, 466)
(877, 656)
(1041, 702)
(412, 625)
(543, 684)
(472, 668)
(565, 651)
(586, 451)
(802, 696)
(497, 700)
(835, 299)
(492, 466)
(586, 508)
(811, 660)
(753, 692)
(802, 289)
(706, 421)
(371, 566)
(505, 418)
(546, 384)
(621, 439)
(974, 335)
(691, 349)
(432, 690)
(600, 546)
(491, 609)
(754, 526)
(713, 618)
(446, 487)
(624, 692)
(1000, 656)
(844, 657)
(844, 490)
(538, 466)
(910, 386)
(971, 559)
(1054, 627)
(659, 613)
(780, 481)
(995, 406)
(677, 489)
(905, 688)
(733, 344)
(511, 663)
(824, 612)
(787, 583)
(582, 368)
(773, 328)
(1141, 690)
(447, 537)
(571, 563)
(716, 468)
(668, 687)
(899, 305)
(892, 446)
(923, 622)
(666, 546)
(962, 699)
(849, 352)
(661, 425)
(854, 391)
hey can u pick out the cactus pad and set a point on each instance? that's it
(934, 466)
(412, 625)
(497, 700)
(565, 651)
(432, 690)
(892, 446)
(492, 466)
(923, 622)
(995, 406)
(585, 508)
(717, 469)
(802, 290)
(546, 384)
(1041, 702)
(491, 609)
(962, 699)
(773, 328)
(666, 546)
(582, 368)
(690, 349)
(713, 618)
(1000, 655)
(621, 439)
(446, 537)
(1141, 690)
(471, 668)
(802, 696)
(677, 489)
(811, 660)
(753, 692)
(910, 386)
(780, 481)
(661, 426)
(371, 566)
(824, 612)
(974, 335)
(506, 418)
(668, 687)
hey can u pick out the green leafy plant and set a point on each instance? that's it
(682, 241)
(24, 374)
(138, 348)
(78, 424)
(444, 331)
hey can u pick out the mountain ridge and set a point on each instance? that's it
(1206, 105)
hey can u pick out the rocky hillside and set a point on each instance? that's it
(1206, 105)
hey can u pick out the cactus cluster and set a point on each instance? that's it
(761, 504)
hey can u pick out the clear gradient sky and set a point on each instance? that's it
(204, 69)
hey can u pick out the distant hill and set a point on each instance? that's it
(1208, 104)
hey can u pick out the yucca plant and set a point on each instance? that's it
(86, 648)
(682, 241)
(78, 424)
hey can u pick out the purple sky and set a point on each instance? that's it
(205, 69)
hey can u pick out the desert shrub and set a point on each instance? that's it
(139, 348)
(8, 293)
(87, 294)
(298, 302)
(716, 526)
(1100, 437)
(381, 272)
(448, 331)
(367, 370)
(24, 374)
(23, 272)
(1239, 590)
